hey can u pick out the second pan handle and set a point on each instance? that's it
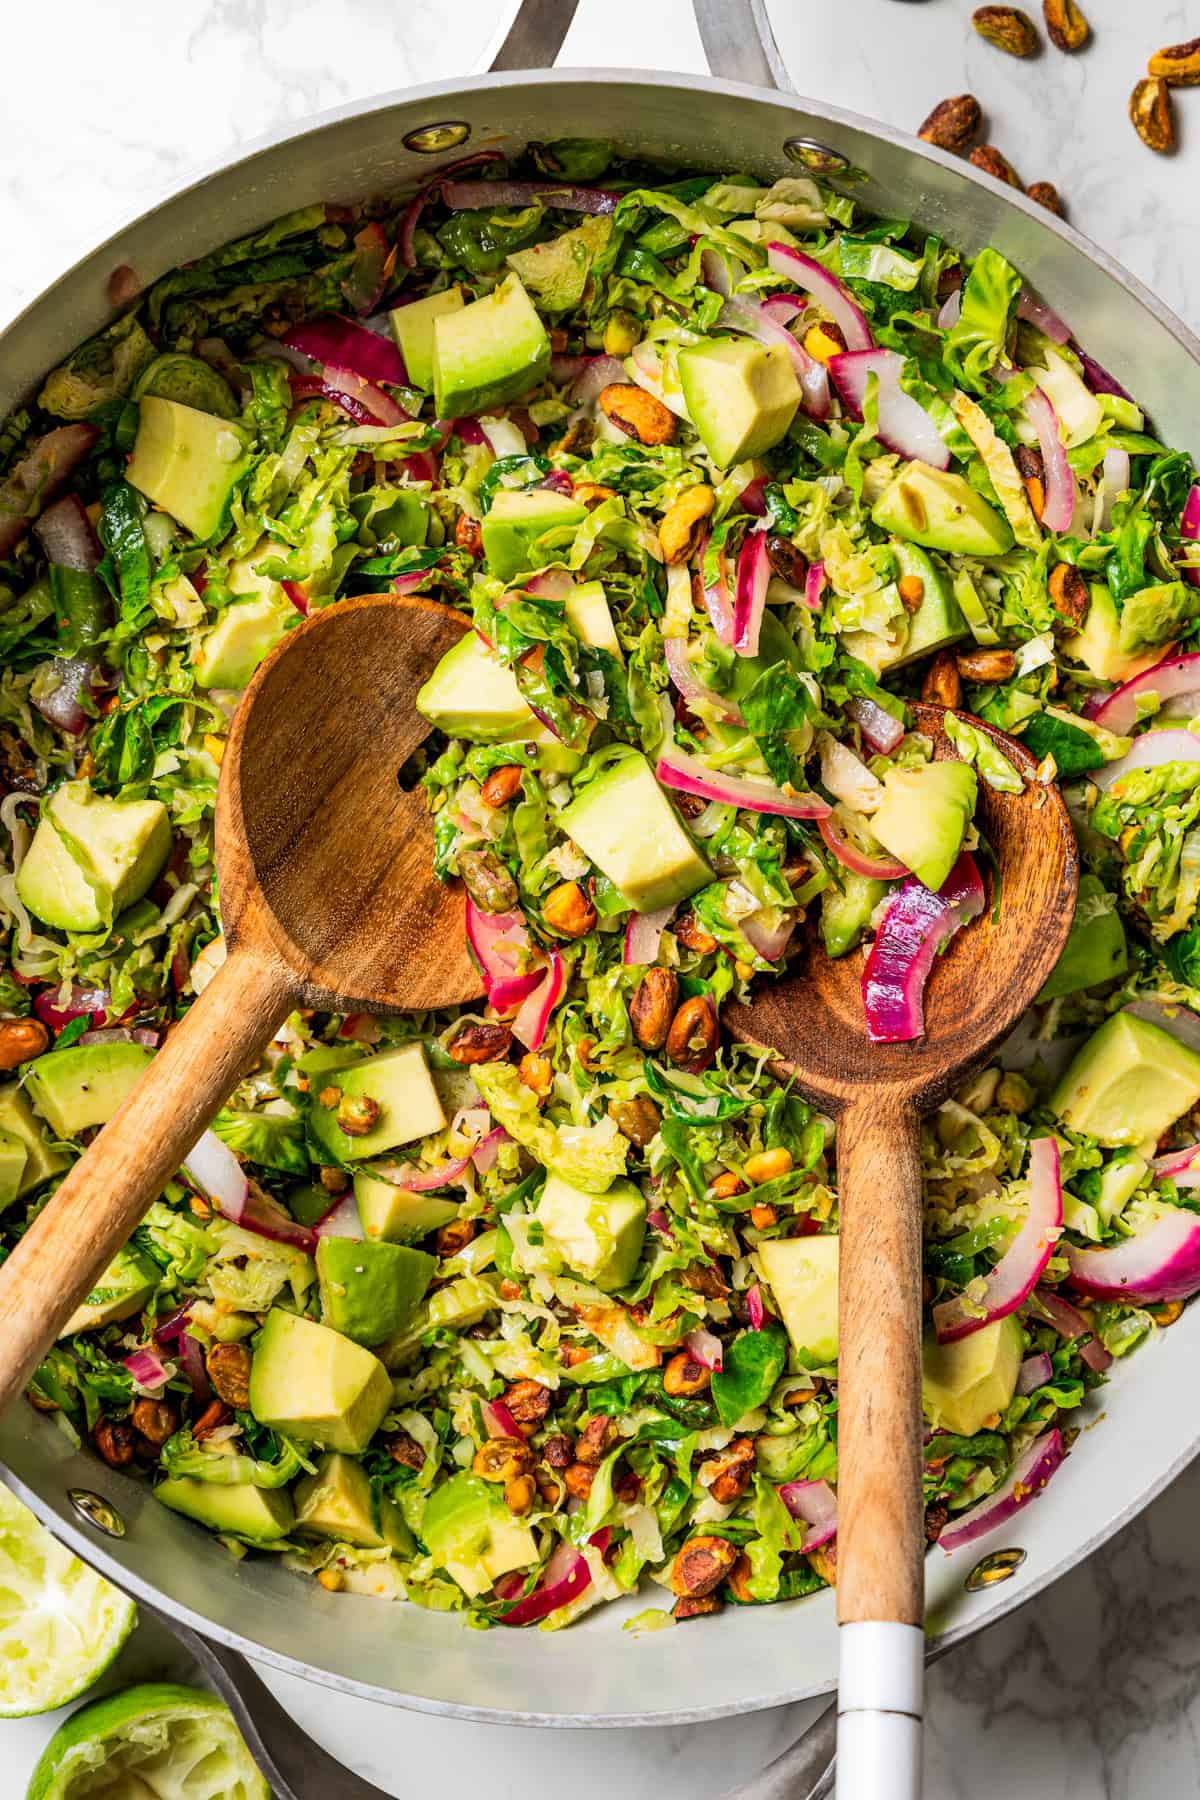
(737, 37)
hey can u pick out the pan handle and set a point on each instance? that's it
(736, 34)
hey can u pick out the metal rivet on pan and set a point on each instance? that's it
(817, 158)
(429, 139)
(97, 1511)
(998, 1566)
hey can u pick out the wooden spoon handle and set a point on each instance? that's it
(881, 1538)
(124, 1170)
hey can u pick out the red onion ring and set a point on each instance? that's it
(848, 854)
(1020, 1269)
(827, 290)
(915, 926)
(904, 425)
(676, 769)
(1028, 1477)
(1059, 507)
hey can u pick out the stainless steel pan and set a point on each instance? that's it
(595, 1674)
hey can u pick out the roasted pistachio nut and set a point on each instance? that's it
(702, 1565)
(357, 1114)
(1152, 114)
(455, 1236)
(228, 1368)
(487, 881)
(684, 521)
(637, 1119)
(596, 1440)
(653, 1007)
(502, 1459)
(696, 1606)
(953, 123)
(694, 1035)
(481, 1042)
(501, 785)
(1178, 65)
(20, 1041)
(1047, 195)
(638, 414)
(986, 665)
(990, 160)
(528, 1402)
(1008, 28)
(942, 685)
(785, 560)
(1066, 26)
(683, 1375)
(567, 910)
(1070, 594)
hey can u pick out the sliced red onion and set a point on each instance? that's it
(1028, 1477)
(676, 769)
(1043, 316)
(1096, 1356)
(916, 925)
(360, 400)
(951, 310)
(1066, 1319)
(147, 1369)
(753, 497)
(1034, 1372)
(474, 196)
(770, 941)
(826, 290)
(82, 1003)
(600, 372)
(65, 533)
(426, 1181)
(1059, 506)
(564, 1578)
(716, 598)
(1189, 527)
(715, 272)
(416, 206)
(498, 1422)
(558, 482)
(659, 1221)
(267, 1219)
(533, 1016)
(750, 598)
(756, 1307)
(881, 729)
(297, 593)
(1150, 751)
(643, 934)
(752, 318)
(218, 1175)
(342, 1220)
(61, 706)
(467, 430)
(1099, 380)
(1170, 680)
(499, 943)
(816, 1503)
(144, 1035)
(488, 1149)
(421, 466)
(875, 868)
(173, 1324)
(814, 586)
(567, 367)
(705, 1347)
(343, 344)
(1019, 1270)
(847, 777)
(360, 1028)
(38, 476)
(1161, 1261)
(1180, 1166)
(551, 584)
(411, 582)
(904, 425)
(191, 1357)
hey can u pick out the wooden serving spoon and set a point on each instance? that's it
(814, 1020)
(327, 900)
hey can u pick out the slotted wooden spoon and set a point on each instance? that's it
(814, 1020)
(327, 899)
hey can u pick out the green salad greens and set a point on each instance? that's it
(500, 1311)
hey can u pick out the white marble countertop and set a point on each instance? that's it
(1094, 1689)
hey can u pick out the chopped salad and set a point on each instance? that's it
(519, 1309)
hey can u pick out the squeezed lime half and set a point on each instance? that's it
(158, 1741)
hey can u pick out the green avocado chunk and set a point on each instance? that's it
(336, 1503)
(122, 1290)
(85, 1084)
(18, 1120)
(370, 1290)
(470, 1533)
(315, 1385)
(472, 694)
(1099, 647)
(187, 462)
(399, 1083)
(412, 328)
(1129, 1083)
(1095, 951)
(91, 857)
(624, 823)
(965, 1382)
(598, 1235)
(260, 1515)
(519, 521)
(937, 622)
(846, 910)
(491, 351)
(939, 509)
(396, 1215)
(589, 617)
(741, 396)
(244, 636)
(923, 817)
(14, 1154)
(802, 1274)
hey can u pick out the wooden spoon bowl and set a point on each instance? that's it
(328, 899)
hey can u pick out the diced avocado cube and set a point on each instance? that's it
(470, 1533)
(370, 1290)
(399, 1083)
(412, 328)
(967, 1381)
(846, 911)
(244, 636)
(472, 694)
(1120, 1180)
(187, 462)
(740, 395)
(624, 823)
(590, 619)
(85, 1084)
(598, 1235)
(14, 1154)
(91, 857)
(557, 270)
(1098, 646)
(336, 1503)
(923, 817)
(315, 1385)
(1129, 1083)
(802, 1274)
(396, 1215)
(937, 622)
(249, 581)
(18, 1120)
(260, 1515)
(939, 509)
(122, 1290)
(528, 527)
(1095, 950)
(491, 351)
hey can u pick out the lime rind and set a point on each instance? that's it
(159, 1741)
(61, 1625)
